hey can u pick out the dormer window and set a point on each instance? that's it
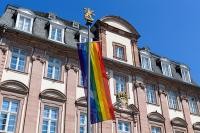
(185, 74)
(56, 33)
(145, 60)
(24, 23)
(119, 51)
(166, 68)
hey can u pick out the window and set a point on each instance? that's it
(24, 23)
(83, 123)
(166, 69)
(119, 51)
(124, 127)
(18, 59)
(155, 129)
(185, 75)
(193, 105)
(120, 83)
(54, 69)
(172, 100)
(83, 39)
(151, 94)
(8, 116)
(145, 61)
(50, 119)
(56, 33)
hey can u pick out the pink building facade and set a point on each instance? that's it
(41, 87)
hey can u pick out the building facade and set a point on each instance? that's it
(42, 90)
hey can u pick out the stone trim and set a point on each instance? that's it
(157, 124)
(54, 95)
(14, 86)
(60, 114)
(156, 117)
(179, 122)
(196, 126)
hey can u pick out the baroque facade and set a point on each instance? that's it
(41, 87)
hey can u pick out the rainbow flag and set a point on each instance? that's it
(100, 101)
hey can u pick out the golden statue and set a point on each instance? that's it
(88, 15)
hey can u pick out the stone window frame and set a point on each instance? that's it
(146, 55)
(179, 107)
(115, 44)
(59, 105)
(22, 102)
(28, 57)
(126, 83)
(166, 61)
(125, 118)
(59, 25)
(179, 124)
(26, 15)
(79, 110)
(156, 120)
(52, 98)
(62, 73)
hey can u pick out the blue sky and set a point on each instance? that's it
(170, 28)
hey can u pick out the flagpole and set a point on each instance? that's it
(88, 17)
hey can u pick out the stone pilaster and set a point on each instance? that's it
(32, 112)
(135, 53)
(165, 108)
(186, 112)
(70, 110)
(141, 101)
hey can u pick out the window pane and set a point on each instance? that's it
(12, 122)
(14, 106)
(5, 105)
(3, 118)
(151, 94)
(54, 68)
(45, 126)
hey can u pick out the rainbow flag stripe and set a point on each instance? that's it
(100, 101)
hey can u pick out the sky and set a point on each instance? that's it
(170, 28)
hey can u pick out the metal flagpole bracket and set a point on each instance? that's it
(88, 15)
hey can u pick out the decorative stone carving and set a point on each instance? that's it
(184, 97)
(41, 59)
(179, 122)
(122, 99)
(196, 126)
(3, 49)
(139, 84)
(157, 117)
(72, 64)
(108, 75)
(52, 94)
(162, 90)
(14, 86)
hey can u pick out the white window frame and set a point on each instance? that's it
(144, 54)
(49, 119)
(120, 77)
(156, 131)
(123, 126)
(54, 65)
(185, 79)
(193, 106)
(85, 122)
(9, 113)
(26, 16)
(57, 27)
(151, 98)
(165, 61)
(85, 38)
(18, 56)
(172, 100)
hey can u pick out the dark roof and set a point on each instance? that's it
(175, 65)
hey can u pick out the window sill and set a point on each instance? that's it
(195, 114)
(155, 104)
(121, 59)
(62, 42)
(54, 80)
(16, 71)
(175, 109)
(29, 32)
